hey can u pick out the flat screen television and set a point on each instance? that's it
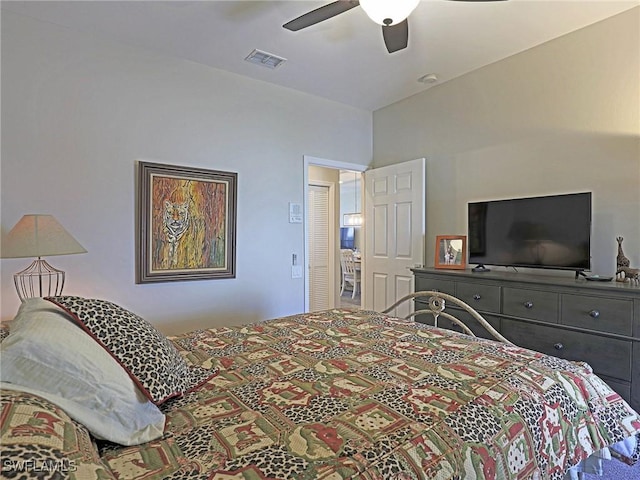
(539, 232)
(347, 238)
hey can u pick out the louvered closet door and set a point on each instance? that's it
(318, 228)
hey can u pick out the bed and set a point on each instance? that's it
(93, 391)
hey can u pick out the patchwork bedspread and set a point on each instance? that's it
(346, 394)
(356, 394)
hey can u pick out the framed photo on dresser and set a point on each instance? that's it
(451, 252)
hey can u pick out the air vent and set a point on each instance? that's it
(265, 59)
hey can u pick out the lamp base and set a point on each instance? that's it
(37, 279)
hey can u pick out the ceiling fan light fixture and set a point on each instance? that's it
(388, 12)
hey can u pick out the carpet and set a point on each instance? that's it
(615, 470)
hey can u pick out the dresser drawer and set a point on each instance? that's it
(444, 286)
(597, 313)
(607, 356)
(534, 304)
(477, 329)
(485, 298)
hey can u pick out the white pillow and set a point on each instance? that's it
(52, 357)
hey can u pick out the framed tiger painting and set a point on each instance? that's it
(186, 223)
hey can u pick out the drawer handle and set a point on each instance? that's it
(528, 305)
(558, 346)
(594, 313)
(477, 296)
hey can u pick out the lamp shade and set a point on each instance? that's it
(39, 236)
(388, 12)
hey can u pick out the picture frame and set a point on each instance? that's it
(186, 223)
(451, 252)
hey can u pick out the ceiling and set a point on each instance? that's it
(342, 59)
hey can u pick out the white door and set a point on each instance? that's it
(321, 272)
(394, 234)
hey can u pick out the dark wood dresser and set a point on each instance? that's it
(591, 321)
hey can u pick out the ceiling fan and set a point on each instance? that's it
(391, 14)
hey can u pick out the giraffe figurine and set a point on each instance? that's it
(622, 262)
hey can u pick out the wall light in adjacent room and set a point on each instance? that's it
(353, 219)
(39, 236)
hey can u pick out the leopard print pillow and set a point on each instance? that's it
(150, 359)
(4, 332)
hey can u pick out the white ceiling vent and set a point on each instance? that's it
(265, 59)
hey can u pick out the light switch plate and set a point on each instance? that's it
(296, 271)
(295, 213)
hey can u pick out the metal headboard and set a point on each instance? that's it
(437, 302)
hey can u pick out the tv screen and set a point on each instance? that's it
(539, 232)
(347, 238)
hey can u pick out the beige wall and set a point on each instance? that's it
(78, 113)
(562, 117)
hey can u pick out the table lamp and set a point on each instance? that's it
(39, 236)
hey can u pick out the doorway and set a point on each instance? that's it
(394, 204)
(351, 239)
(313, 294)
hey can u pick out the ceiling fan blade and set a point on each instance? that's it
(396, 37)
(320, 14)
